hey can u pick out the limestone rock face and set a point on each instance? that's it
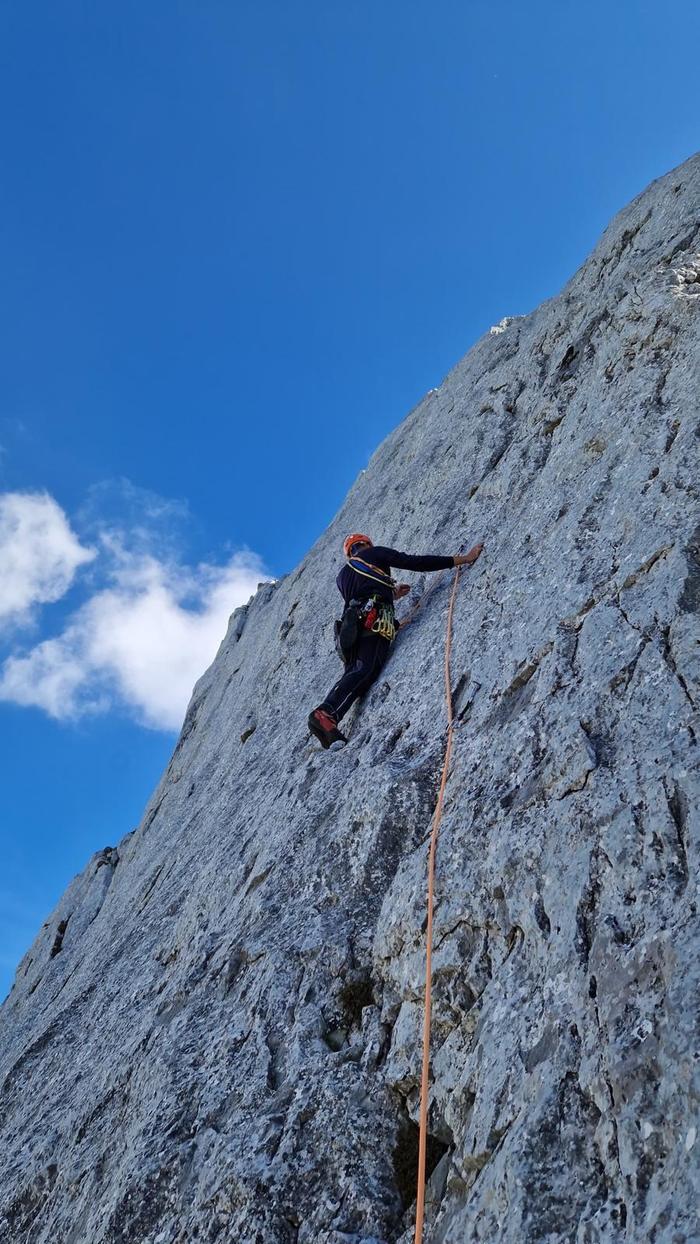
(216, 1036)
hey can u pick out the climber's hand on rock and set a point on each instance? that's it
(468, 559)
(402, 589)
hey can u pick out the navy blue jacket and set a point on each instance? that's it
(354, 586)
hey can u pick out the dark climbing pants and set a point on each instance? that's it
(370, 655)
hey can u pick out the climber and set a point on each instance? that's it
(368, 626)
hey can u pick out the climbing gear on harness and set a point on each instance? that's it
(324, 726)
(342, 647)
(349, 541)
(347, 631)
(373, 614)
(384, 622)
(437, 817)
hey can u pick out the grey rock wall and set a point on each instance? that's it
(216, 1035)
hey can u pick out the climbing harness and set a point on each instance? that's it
(373, 614)
(437, 817)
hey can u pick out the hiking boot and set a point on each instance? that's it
(325, 727)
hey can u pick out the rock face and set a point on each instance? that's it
(216, 1036)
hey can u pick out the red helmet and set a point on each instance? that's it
(350, 541)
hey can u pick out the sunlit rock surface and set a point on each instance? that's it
(216, 1036)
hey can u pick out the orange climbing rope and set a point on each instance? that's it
(437, 817)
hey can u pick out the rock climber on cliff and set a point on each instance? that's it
(368, 626)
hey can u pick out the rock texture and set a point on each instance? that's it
(216, 1035)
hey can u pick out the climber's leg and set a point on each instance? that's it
(372, 652)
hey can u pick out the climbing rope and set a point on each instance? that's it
(437, 817)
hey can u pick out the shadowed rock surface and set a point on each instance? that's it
(216, 1035)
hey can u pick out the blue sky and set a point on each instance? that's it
(238, 241)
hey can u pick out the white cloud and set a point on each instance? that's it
(39, 553)
(50, 676)
(141, 642)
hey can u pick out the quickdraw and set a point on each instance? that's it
(384, 623)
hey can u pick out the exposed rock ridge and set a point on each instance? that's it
(215, 1036)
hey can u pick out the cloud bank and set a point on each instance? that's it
(139, 641)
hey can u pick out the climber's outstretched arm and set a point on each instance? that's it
(460, 559)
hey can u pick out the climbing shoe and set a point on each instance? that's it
(325, 727)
